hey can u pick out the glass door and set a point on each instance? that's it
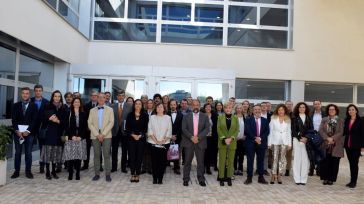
(85, 86)
(133, 87)
(177, 90)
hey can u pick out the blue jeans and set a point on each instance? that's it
(28, 144)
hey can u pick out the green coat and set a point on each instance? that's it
(223, 132)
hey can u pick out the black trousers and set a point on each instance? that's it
(159, 160)
(353, 157)
(136, 153)
(239, 155)
(329, 168)
(115, 143)
(147, 160)
(210, 159)
(74, 164)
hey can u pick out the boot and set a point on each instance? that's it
(54, 174)
(48, 173)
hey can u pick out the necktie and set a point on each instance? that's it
(93, 105)
(120, 111)
(100, 107)
(24, 107)
(195, 124)
(257, 126)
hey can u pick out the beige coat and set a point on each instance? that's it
(107, 125)
(339, 138)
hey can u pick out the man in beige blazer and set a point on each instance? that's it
(100, 123)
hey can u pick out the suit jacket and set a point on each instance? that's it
(224, 133)
(71, 127)
(356, 133)
(177, 125)
(299, 129)
(280, 134)
(30, 117)
(40, 113)
(250, 132)
(126, 110)
(339, 138)
(187, 130)
(54, 130)
(107, 122)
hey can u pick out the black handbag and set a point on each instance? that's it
(314, 138)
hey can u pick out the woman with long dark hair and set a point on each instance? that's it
(211, 151)
(53, 122)
(136, 127)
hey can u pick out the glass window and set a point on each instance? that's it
(133, 88)
(36, 71)
(259, 89)
(360, 94)
(273, 17)
(192, 34)
(86, 86)
(111, 8)
(176, 11)
(218, 91)
(68, 14)
(243, 15)
(257, 38)
(335, 93)
(125, 31)
(142, 9)
(7, 62)
(209, 13)
(283, 2)
(175, 90)
(74, 4)
(6, 102)
(53, 3)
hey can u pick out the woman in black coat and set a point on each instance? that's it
(354, 141)
(53, 123)
(76, 128)
(211, 151)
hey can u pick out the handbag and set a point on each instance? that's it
(314, 138)
(173, 152)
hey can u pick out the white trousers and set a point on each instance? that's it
(301, 162)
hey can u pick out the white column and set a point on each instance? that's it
(61, 77)
(297, 91)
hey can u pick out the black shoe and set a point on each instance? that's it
(160, 182)
(177, 171)
(15, 175)
(330, 183)
(325, 182)
(202, 183)
(222, 183)
(54, 175)
(287, 173)
(311, 172)
(318, 173)
(248, 181)
(108, 178)
(124, 171)
(85, 167)
(303, 184)
(96, 178)
(155, 181)
(262, 180)
(351, 185)
(215, 168)
(101, 169)
(70, 177)
(41, 169)
(48, 176)
(208, 171)
(239, 173)
(185, 183)
(77, 176)
(113, 170)
(348, 184)
(29, 175)
(229, 182)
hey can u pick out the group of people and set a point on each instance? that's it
(218, 135)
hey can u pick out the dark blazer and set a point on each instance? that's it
(70, 125)
(133, 126)
(298, 128)
(356, 133)
(40, 113)
(87, 107)
(177, 125)
(126, 110)
(214, 118)
(187, 130)
(30, 117)
(54, 130)
(250, 132)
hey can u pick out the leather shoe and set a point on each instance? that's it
(108, 178)
(177, 171)
(96, 178)
(29, 175)
(248, 181)
(185, 183)
(262, 180)
(15, 175)
(202, 183)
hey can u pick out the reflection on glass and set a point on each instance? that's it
(144, 32)
(209, 13)
(257, 38)
(218, 91)
(273, 17)
(110, 8)
(86, 86)
(175, 90)
(142, 9)
(360, 94)
(192, 34)
(68, 14)
(74, 4)
(35, 71)
(176, 11)
(243, 15)
(259, 89)
(133, 88)
(283, 2)
(7, 62)
(6, 102)
(333, 93)
(53, 3)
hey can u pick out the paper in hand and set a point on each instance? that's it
(22, 128)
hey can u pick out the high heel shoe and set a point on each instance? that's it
(136, 179)
(279, 179)
(273, 178)
(132, 179)
(229, 182)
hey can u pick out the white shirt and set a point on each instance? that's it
(241, 128)
(317, 117)
(303, 118)
(160, 127)
(280, 133)
(264, 115)
(174, 115)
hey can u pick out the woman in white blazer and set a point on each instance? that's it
(279, 141)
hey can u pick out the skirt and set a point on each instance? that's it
(51, 154)
(75, 150)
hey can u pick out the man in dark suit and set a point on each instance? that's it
(40, 103)
(87, 108)
(24, 118)
(176, 118)
(195, 127)
(121, 110)
(256, 131)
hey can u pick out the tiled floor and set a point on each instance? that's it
(120, 190)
